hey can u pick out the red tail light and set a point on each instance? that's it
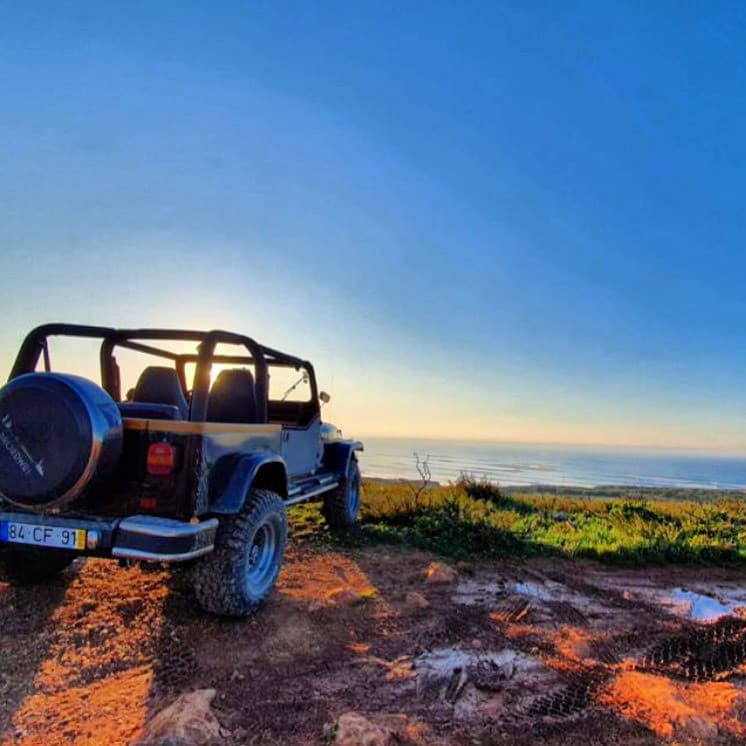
(161, 459)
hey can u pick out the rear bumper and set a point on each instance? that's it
(163, 539)
(137, 537)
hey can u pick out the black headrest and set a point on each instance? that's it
(161, 385)
(232, 397)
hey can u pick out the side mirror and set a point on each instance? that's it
(324, 397)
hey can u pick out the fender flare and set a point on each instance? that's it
(232, 497)
(339, 453)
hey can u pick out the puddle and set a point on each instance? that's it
(443, 662)
(700, 604)
(488, 683)
(550, 602)
(701, 607)
(471, 592)
(699, 600)
(560, 604)
(478, 592)
(539, 591)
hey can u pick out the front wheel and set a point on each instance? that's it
(239, 574)
(341, 506)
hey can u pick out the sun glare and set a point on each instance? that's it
(215, 371)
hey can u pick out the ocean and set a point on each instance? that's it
(577, 466)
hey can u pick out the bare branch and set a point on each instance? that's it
(423, 469)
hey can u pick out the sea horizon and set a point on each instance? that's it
(735, 451)
(554, 464)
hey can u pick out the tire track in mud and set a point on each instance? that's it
(705, 652)
(699, 654)
(118, 644)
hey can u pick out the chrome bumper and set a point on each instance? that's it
(149, 538)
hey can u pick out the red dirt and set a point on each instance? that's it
(697, 712)
(90, 657)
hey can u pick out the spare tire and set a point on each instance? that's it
(59, 434)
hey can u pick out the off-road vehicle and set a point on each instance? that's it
(166, 472)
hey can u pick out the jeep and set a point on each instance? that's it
(164, 471)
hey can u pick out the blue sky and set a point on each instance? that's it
(510, 221)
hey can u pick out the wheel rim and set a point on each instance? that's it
(353, 496)
(261, 559)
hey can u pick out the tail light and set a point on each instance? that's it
(161, 459)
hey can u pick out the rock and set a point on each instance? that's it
(355, 730)
(397, 723)
(317, 605)
(415, 601)
(345, 597)
(440, 573)
(404, 730)
(328, 732)
(188, 721)
(561, 517)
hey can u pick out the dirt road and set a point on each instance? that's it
(512, 653)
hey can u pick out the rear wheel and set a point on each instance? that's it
(239, 574)
(30, 566)
(341, 506)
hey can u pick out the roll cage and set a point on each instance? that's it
(35, 346)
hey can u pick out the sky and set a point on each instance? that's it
(515, 221)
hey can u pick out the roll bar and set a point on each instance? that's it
(141, 340)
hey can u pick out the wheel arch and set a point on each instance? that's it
(271, 475)
(338, 454)
(261, 471)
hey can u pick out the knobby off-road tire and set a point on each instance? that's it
(341, 506)
(30, 566)
(239, 574)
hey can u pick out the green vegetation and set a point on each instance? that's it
(474, 519)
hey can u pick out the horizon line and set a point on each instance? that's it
(734, 450)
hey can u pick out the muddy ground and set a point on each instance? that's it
(544, 651)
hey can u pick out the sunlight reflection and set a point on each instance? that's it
(96, 676)
(673, 709)
(321, 577)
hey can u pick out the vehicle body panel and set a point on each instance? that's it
(301, 448)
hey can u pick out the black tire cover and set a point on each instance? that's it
(58, 433)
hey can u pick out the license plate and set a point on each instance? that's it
(42, 536)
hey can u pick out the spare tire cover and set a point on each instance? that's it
(58, 433)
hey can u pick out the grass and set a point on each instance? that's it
(477, 520)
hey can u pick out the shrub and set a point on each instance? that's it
(479, 489)
(476, 519)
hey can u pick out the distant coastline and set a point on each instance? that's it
(551, 468)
